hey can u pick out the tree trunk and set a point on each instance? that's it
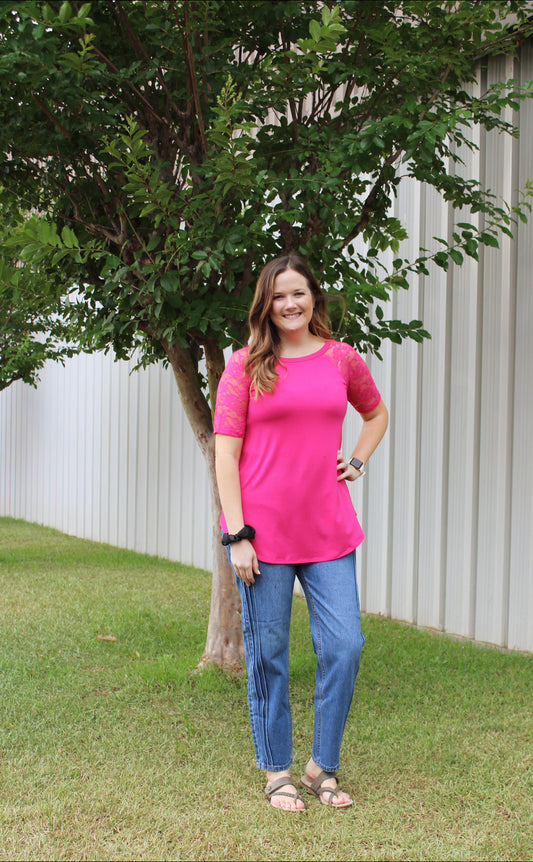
(224, 644)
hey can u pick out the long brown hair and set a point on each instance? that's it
(265, 346)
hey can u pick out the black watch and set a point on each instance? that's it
(247, 532)
(359, 465)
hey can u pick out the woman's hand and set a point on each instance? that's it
(244, 561)
(373, 428)
(345, 470)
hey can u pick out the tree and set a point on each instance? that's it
(31, 325)
(177, 146)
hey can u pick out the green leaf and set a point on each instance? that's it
(315, 30)
(65, 12)
(69, 237)
(170, 281)
(489, 239)
(441, 259)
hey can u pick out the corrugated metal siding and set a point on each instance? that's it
(447, 503)
(520, 600)
(108, 455)
(464, 375)
(496, 404)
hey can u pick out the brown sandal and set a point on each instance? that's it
(315, 787)
(273, 789)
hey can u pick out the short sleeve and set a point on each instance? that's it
(362, 392)
(233, 395)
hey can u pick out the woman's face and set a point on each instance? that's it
(292, 303)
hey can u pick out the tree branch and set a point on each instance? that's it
(50, 116)
(366, 211)
(215, 364)
(189, 56)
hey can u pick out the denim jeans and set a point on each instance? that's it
(330, 590)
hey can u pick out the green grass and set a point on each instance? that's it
(117, 750)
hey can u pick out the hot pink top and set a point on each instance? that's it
(288, 464)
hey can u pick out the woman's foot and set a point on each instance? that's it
(327, 789)
(282, 792)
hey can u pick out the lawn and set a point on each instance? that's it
(113, 748)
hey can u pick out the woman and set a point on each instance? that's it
(287, 513)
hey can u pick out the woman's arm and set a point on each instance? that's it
(227, 455)
(374, 427)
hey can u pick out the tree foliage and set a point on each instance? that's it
(168, 149)
(175, 147)
(31, 326)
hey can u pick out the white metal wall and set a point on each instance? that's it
(104, 454)
(447, 502)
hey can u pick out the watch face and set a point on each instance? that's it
(355, 462)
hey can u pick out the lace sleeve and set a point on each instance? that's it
(362, 392)
(233, 394)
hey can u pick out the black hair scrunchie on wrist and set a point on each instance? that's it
(247, 532)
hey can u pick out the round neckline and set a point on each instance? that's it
(306, 355)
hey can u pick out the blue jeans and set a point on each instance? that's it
(330, 590)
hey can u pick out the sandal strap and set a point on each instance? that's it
(271, 789)
(333, 792)
(319, 780)
(316, 786)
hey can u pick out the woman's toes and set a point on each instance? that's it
(342, 799)
(285, 797)
(285, 802)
